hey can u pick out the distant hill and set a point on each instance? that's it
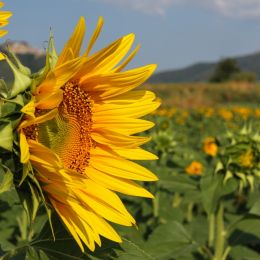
(200, 72)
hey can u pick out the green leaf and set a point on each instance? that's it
(243, 253)
(168, 240)
(247, 231)
(33, 254)
(213, 189)
(178, 183)
(211, 186)
(255, 210)
(6, 180)
(6, 136)
(130, 250)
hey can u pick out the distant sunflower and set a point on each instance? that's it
(195, 168)
(78, 133)
(210, 147)
(4, 16)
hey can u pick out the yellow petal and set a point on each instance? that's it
(3, 33)
(40, 119)
(72, 48)
(117, 184)
(106, 59)
(4, 15)
(115, 139)
(63, 214)
(127, 126)
(58, 77)
(105, 210)
(25, 154)
(2, 56)
(101, 226)
(3, 23)
(51, 101)
(110, 85)
(44, 155)
(29, 108)
(94, 35)
(140, 104)
(102, 161)
(128, 59)
(135, 154)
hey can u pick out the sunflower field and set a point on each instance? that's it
(93, 168)
(206, 203)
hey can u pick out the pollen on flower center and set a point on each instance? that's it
(76, 110)
(68, 134)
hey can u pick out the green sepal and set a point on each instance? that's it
(51, 56)
(45, 203)
(25, 70)
(27, 169)
(3, 89)
(51, 60)
(21, 80)
(30, 201)
(36, 200)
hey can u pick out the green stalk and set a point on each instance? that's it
(190, 212)
(220, 235)
(211, 220)
(156, 204)
(225, 255)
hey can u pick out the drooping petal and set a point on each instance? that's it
(94, 35)
(25, 154)
(105, 162)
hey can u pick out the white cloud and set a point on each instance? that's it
(158, 7)
(235, 8)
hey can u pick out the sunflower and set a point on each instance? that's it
(78, 134)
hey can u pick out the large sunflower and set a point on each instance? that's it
(78, 134)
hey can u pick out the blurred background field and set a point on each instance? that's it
(203, 95)
(206, 202)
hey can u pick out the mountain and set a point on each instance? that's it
(31, 57)
(200, 72)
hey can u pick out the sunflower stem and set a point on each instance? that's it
(220, 235)
(156, 201)
(211, 236)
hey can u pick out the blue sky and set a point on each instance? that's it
(172, 33)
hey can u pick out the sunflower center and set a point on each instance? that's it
(69, 133)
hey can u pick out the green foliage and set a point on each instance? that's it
(187, 218)
(224, 70)
(243, 76)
